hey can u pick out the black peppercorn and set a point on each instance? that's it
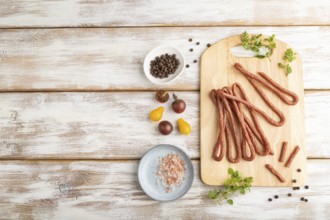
(187, 66)
(276, 196)
(197, 43)
(191, 50)
(270, 200)
(294, 188)
(164, 65)
(299, 170)
(190, 39)
(294, 180)
(298, 188)
(208, 45)
(195, 61)
(302, 199)
(289, 194)
(306, 200)
(306, 187)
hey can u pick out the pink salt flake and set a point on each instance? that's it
(171, 171)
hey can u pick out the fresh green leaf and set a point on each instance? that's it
(234, 184)
(289, 55)
(260, 56)
(287, 68)
(214, 194)
(255, 43)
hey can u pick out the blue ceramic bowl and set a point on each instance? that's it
(148, 179)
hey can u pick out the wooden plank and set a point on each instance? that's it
(218, 59)
(77, 13)
(109, 190)
(116, 125)
(111, 59)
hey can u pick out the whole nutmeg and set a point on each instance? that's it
(162, 96)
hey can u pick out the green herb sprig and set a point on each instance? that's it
(255, 44)
(236, 183)
(289, 56)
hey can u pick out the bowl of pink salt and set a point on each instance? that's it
(165, 173)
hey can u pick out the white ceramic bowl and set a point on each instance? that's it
(158, 51)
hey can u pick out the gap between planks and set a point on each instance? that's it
(121, 90)
(165, 26)
(102, 160)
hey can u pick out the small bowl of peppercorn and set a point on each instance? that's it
(163, 64)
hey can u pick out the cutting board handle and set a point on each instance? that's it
(232, 41)
(228, 43)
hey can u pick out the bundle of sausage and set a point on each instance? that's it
(234, 124)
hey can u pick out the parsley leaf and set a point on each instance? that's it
(236, 183)
(255, 43)
(230, 201)
(289, 56)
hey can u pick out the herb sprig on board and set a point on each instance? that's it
(235, 184)
(256, 43)
(289, 56)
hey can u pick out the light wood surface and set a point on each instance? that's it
(217, 71)
(91, 59)
(106, 13)
(48, 46)
(109, 190)
(92, 125)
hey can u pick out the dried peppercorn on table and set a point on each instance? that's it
(74, 105)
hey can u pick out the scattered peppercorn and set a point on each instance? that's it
(195, 61)
(190, 39)
(191, 50)
(162, 96)
(298, 170)
(276, 196)
(294, 188)
(289, 194)
(187, 66)
(302, 199)
(270, 200)
(306, 187)
(306, 200)
(298, 188)
(294, 180)
(208, 45)
(197, 43)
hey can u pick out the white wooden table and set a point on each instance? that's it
(74, 104)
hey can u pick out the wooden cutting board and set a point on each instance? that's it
(217, 71)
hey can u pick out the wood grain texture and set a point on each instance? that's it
(111, 59)
(110, 190)
(77, 13)
(217, 71)
(116, 125)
